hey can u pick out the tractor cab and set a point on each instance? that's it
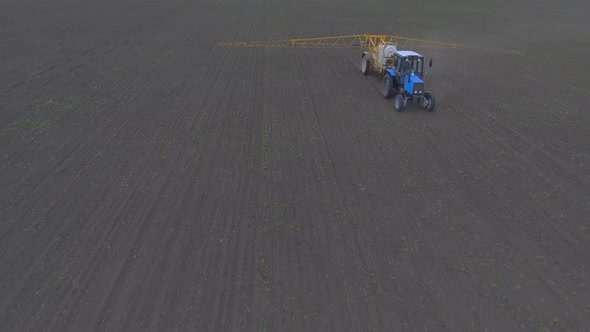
(409, 63)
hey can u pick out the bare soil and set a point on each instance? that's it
(150, 180)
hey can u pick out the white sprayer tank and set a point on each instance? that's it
(385, 52)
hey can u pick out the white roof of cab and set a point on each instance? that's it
(408, 53)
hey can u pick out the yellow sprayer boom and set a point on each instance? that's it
(366, 42)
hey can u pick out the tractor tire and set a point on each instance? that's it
(399, 103)
(387, 85)
(365, 65)
(430, 103)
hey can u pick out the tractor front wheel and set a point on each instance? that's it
(430, 103)
(399, 103)
(387, 85)
(365, 65)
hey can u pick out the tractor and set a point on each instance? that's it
(402, 75)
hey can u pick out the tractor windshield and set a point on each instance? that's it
(410, 65)
(417, 65)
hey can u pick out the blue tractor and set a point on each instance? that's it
(402, 77)
(404, 80)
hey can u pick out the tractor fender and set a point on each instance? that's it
(391, 72)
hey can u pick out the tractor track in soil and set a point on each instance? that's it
(152, 181)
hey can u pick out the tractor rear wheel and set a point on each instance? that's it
(399, 103)
(430, 103)
(387, 85)
(365, 65)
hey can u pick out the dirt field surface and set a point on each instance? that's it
(150, 180)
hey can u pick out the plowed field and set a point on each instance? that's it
(150, 180)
